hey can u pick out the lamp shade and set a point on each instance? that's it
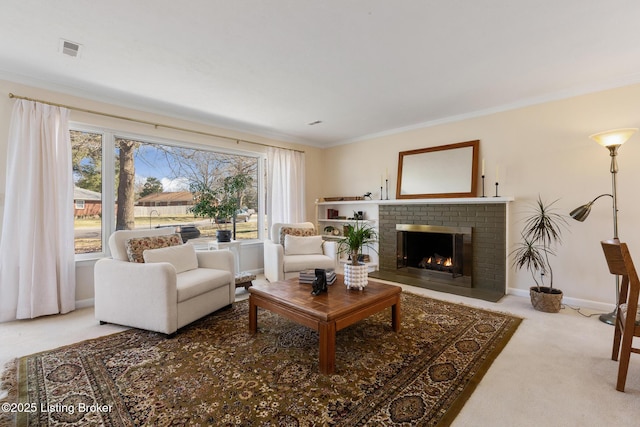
(581, 213)
(615, 137)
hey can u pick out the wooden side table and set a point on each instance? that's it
(245, 280)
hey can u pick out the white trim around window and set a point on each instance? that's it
(109, 137)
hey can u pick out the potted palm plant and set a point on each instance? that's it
(356, 237)
(220, 204)
(542, 231)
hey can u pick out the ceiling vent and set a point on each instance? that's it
(70, 48)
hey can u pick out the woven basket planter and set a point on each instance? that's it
(547, 300)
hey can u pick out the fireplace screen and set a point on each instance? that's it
(428, 249)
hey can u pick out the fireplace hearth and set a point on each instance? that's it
(437, 253)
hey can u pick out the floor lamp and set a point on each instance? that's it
(612, 140)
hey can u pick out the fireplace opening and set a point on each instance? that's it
(440, 253)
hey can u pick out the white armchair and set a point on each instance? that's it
(173, 287)
(296, 247)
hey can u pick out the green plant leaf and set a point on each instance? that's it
(542, 230)
(357, 236)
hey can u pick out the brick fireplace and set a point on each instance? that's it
(441, 253)
(481, 226)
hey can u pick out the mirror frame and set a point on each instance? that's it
(468, 191)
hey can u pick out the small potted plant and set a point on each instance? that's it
(220, 204)
(356, 237)
(542, 231)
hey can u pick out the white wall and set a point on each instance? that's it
(542, 149)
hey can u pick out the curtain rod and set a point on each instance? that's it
(156, 125)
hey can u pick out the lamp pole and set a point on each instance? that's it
(613, 152)
(610, 318)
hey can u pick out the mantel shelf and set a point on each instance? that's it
(450, 201)
(345, 220)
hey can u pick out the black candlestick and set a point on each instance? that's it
(387, 184)
(483, 186)
(496, 190)
(381, 192)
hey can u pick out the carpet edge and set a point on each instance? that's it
(457, 406)
(486, 310)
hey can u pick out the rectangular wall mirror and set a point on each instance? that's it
(443, 171)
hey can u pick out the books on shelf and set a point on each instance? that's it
(332, 213)
(308, 276)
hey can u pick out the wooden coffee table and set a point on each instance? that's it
(328, 312)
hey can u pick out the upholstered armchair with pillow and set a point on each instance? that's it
(296, 247)
(155, 282)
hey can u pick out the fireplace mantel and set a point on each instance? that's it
(449, 201)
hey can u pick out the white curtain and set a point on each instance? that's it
(285, 190)
(37, 268)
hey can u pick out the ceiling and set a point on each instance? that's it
(361, 67)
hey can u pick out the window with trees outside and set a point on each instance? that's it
(130, 182)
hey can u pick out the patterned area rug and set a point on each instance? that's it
(215, 373)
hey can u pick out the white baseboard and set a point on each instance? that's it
(574, 302)
(84, 303)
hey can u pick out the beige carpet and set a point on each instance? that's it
(556, 370)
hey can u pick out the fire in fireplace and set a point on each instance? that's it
(444, 253)
(437, 262)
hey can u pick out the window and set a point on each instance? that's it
(150, 183)
(86, 149)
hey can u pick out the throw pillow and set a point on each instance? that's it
(136, 245)
(182, 257)
(307, 245)
(294, 231)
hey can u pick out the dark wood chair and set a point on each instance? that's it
(626, 326)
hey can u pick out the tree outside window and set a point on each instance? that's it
(151, 185)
